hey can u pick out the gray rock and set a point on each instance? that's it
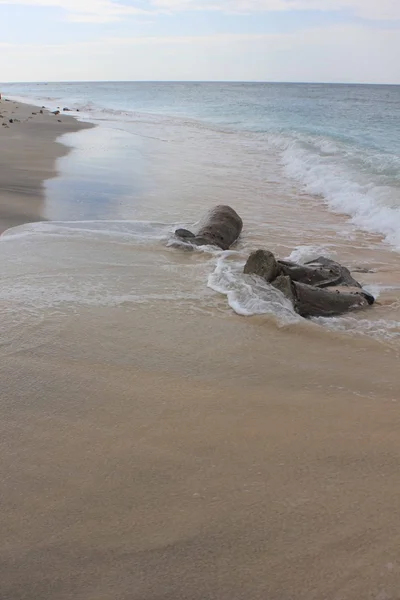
(311, 301)
(263, 264)
(184, 234)
(321, 273)
(341, 273)
(321, 288)
(220, 227)
(283, 283)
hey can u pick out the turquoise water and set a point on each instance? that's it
(364, 115)
(340, 143)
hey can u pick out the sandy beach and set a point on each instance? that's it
(158, 453)
(28, 156)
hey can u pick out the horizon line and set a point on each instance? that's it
(207, 81)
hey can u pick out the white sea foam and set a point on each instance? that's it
(117, 231)
(381, 329)
(345, 182)
(303, 254)
(91, 263)
(249, 295)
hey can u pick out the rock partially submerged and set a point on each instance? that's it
(320, 288)
(263, 264)
(220, 227)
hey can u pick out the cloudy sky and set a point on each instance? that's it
(241, 40)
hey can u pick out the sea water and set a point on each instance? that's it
(163, 153)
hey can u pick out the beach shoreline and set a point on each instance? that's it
(30, 149)
(156, 445)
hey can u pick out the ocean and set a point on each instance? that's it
(312, 168)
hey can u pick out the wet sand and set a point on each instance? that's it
(262, 464)
(28, 156)
(150, 453)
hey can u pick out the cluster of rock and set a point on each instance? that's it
(41, 111)
(320, 288)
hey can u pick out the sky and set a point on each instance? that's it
(349, 41)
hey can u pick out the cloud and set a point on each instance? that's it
(94, 11)
(368, 9)
(99, 11)
(364, 55)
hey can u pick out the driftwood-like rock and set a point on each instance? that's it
(221, 227)
(321, 288)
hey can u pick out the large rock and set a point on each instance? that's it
(220, 227)
(321, 288)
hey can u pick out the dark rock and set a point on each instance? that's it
(41, 112)
(77, 110)
(311, 301)
(184, 234)
(283, 283)
(342, 274)
(11, 120)
(321, 288)
(66, 109)
(310, 275)
(43, 107)
(59, 120)
(221, 227)
(263, 264)
(322, 272)
(34, 113)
